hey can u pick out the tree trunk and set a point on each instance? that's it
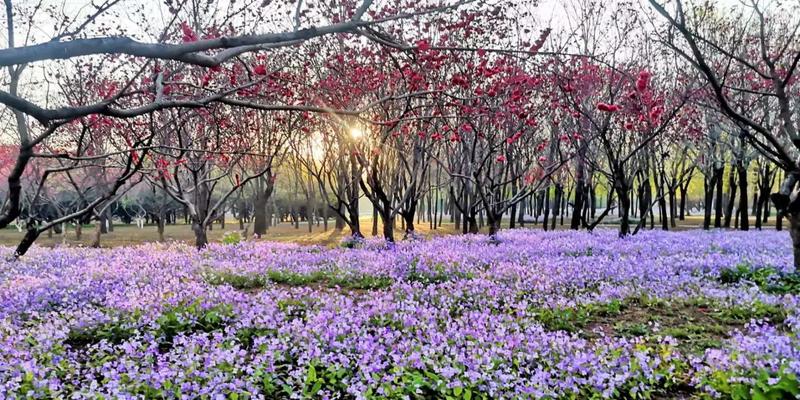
(758, 213)
(662, 204)
(546, 208)
(160, 226)
(200, 234)
(709, 183)
(103, 222)
(682, 206)
(644, 203)
(577, 207)
(388, 227)
(624, 210)
(339, 224)
(260, 208)
(494, 225)
(355, 223)
(673, 207)
(731, 197)
(98, 230)
(374, 221)
(512, 220)
(31, 234)
(794, 224)
(472, 223)
(556, 205)
(408, 220)
(744, 221)
(718, 172)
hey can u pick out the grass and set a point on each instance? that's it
(768, 279)
(287, 278)
(126, 235)
(696, 324)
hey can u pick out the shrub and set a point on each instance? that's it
(231, 238)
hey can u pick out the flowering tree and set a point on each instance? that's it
(194, 63)
(748, 57)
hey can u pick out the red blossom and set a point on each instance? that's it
(423, 45)
(643, 81)
(188, 33)
(607, 107)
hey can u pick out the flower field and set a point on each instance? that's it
(561, 315)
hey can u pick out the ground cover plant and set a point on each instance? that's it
(559, 315)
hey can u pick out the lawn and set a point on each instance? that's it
(558, 315)
(126, 235)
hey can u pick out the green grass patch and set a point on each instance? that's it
(238, 281)
(697, 324)
(115, 332)
(768, 279)
(330, 279)
(188, 319)
(574, 319)
(439, 273)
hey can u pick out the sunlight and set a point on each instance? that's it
(357, 133)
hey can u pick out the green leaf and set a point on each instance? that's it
(317, 386)
(312, 374)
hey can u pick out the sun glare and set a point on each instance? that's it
(356, 133)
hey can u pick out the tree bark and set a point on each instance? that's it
(388, 227)
(494, 226)
(709, 183)
(794, 232)
(624, 210)
(98, 231)
(160, 226)
(200, 234)
(682, 206)
(744, 221)
(546, 208)
(556, 205)
(718, 172)
(731, 197)
(31, 234)
(473, 225)
(578, 205)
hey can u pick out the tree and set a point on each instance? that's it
(748, 56)
(184, 69)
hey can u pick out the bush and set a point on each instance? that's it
(231, 238)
